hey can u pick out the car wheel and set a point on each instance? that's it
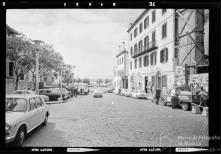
(46, 120)
(162, 101)
(185, 106)
(20, 137)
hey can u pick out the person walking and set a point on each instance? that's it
(157, 95)
(174, 98)
(203, 97)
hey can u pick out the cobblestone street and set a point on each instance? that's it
(118, 121)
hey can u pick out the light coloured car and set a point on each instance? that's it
(128, 93)
(23, 113)
(116, 92)
(97, 93)
(123, 91)
(46, 98)
(139, 94)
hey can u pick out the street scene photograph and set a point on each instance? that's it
(107, 78)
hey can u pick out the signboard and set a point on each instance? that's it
(180, 70)
(199, 78)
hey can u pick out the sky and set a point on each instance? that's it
(86, 38)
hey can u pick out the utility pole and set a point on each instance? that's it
(38, 47)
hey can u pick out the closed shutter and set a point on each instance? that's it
(166, 54)
(161, 56)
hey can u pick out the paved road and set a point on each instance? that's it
(118, 121)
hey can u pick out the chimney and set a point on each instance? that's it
(124, 49)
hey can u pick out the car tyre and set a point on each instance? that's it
(185, 106)
(162, 101)
(45, 120)
(20, 137)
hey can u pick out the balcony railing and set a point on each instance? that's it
(145, 49)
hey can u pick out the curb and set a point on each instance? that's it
(55, 102)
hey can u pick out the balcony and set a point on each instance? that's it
(145, 49)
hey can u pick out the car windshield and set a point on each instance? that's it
(15, 104)
(23, 92)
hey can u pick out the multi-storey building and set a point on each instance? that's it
(151, 50)
(121, 70)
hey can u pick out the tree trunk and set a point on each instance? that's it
(16, 82)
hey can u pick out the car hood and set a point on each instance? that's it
(13, 117)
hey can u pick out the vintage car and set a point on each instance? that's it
(139, 94)
(97, 93)
(123, 91)
(65, 93)
(53, 93)
(23, 113)
(128, 93)
(186, 98)
(46, 98)
(83, 90)
(116, 91)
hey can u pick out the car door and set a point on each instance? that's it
(41, 110)
(31, 118)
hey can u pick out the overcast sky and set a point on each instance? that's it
(85, 38)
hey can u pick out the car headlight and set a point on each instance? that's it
(7, 127)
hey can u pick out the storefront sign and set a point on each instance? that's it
(199, 78)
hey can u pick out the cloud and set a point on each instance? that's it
(88, 39)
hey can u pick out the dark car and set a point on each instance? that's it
(52, 93)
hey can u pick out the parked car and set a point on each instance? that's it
(83, 90)
(116, 92)
(46, 98)
(53, 93)
(128, 93)
(23, 113)
(123, 92)
(139, 94)
(97, 93)
(65, 93)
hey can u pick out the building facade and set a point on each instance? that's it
(151, 50)
(121, 70)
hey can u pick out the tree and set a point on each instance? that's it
(19, 51)
(67, 74)
(86, 80)
(107, 80)
(99, 81)
(78, 80)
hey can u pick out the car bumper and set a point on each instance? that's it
(9, 139)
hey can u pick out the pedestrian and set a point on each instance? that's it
(174, 98)
(203, 97)
(157, 95)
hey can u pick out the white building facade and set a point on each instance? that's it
(151, 50)
(121, 70)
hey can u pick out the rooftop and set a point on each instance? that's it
(135, 22)
(11, 30)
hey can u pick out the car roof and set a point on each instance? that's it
(25, 96)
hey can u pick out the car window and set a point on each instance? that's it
(32, 104)
(16, 104)
(39, 102)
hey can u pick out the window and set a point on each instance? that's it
(11, 68)
(164, 81)
(164, 55)
(153, 16)
(153, 38)
(140, 62)
(131, 65)
(164, 11)
(122, 60)
(135, 49)
(135, 32)
(39, 102)
(164, 30)
(141, 27)
(135, 63)
(131, 36)
(146, 42)
(140, 46)
(153, 59)
(131, 51)
(32, 104)
(146, 22)
(176, 53)
(146, 60)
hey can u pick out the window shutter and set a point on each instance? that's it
(166, 54)
(161, 54)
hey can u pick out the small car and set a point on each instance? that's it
(97, 93)
(46, 98)
(65, 93)
(23, 113)
(139, 94)
(128, 93)
(53, 93)
(123, 92)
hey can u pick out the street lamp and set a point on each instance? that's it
(37, 44)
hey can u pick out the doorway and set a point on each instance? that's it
(146, 84)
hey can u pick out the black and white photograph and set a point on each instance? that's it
(107, 77)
